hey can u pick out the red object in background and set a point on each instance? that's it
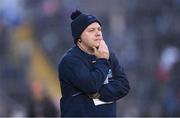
(162, 75)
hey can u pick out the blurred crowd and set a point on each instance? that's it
(144, 35)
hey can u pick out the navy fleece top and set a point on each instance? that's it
(81, 74)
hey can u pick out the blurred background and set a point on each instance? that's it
(144, 34)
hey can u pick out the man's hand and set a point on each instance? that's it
(102, 51)
(94, 96)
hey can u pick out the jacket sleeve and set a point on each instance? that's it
(80, 76)
(118, 87)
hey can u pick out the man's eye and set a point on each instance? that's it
(91, 30)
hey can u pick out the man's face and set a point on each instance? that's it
(92, 35)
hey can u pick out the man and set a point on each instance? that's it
(91, 78)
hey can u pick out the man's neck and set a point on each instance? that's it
(85, 49)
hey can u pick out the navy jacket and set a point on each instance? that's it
(82, 74)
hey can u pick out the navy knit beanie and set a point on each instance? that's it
(79, 23)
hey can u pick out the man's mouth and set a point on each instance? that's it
(97, 39)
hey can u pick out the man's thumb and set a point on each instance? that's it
(94, 50)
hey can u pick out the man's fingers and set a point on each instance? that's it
(103, 45)
(94, 50)
(102, 51)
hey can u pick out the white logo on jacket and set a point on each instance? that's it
(108, 76)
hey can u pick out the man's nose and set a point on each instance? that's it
(98, 33)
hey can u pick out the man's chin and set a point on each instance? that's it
(97, 46)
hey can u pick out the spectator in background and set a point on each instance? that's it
(168, 58)
(40, 105)
(169, 75)
(91, 78)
